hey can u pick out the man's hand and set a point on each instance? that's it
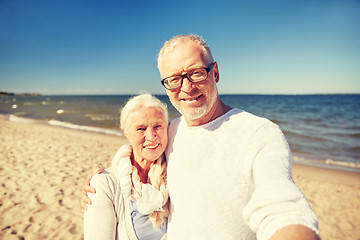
(87, 188)
(295, 232)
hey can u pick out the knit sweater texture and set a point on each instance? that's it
(231, 179)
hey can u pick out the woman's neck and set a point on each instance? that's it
(143, 166)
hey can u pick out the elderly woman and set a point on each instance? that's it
(131, 200)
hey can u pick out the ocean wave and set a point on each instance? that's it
(300, 135)
(343, 164)
(351, 166)
(100, 117)
(85, 128)
(15, 118)
(355, 135)
(60, 111)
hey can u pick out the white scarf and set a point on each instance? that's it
(151, 198)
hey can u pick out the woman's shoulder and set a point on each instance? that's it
(105, 181)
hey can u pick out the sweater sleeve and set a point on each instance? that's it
(276, 201)
(100, 219)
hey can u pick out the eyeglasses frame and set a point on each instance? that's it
(208, 69)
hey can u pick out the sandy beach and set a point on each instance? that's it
(41, 169)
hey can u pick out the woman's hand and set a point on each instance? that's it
(87, 188)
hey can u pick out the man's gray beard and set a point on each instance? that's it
(199, 112)
(192, 114)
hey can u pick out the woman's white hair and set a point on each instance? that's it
(168, 45)
(137, 102)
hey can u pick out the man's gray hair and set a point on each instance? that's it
(168, 45)
(137, 102)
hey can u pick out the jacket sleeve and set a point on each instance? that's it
(100, 220)
(276, 201)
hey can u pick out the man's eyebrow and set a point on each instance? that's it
(188, 70)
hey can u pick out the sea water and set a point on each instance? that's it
(321, 129)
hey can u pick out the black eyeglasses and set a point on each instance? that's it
(194, 76)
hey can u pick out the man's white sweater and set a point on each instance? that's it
(231, 179)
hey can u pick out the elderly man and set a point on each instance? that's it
(229, 172)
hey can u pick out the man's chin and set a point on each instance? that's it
(190, 113)
(194, 114)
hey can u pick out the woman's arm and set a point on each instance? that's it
(100, 218)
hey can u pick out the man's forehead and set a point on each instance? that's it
(182, 58)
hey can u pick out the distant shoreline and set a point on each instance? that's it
(19, 94)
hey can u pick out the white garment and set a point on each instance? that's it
(231, 179)
(109, 216)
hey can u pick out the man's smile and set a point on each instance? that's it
(191, 99)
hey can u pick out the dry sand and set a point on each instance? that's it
(41, 169)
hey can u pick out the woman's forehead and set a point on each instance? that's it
(146, 115)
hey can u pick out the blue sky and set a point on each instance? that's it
(110, 47)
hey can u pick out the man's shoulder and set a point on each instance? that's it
(236, 117)
(174, 124)
(175, 121)
(242, 117)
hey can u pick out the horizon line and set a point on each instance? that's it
(6, 93)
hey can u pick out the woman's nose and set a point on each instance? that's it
(150, 134)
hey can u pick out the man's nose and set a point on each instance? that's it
(187, 85)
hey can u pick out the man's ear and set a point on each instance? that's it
(216, 72)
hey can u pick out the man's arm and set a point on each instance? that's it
(277, 208)
(85, 188)
(295, 232)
